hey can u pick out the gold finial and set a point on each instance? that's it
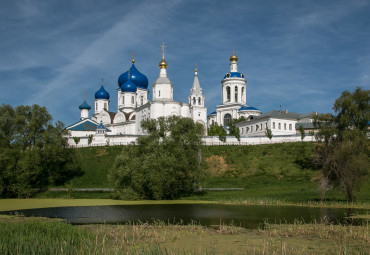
(163, 63)
(133, 57)
(85, 95)
(233, 58)
(196, 69)
(102, 81)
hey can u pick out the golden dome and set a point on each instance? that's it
(163, 64)
(233, 58)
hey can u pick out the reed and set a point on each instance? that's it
(21, 235)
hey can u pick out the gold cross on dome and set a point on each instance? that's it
(163, 46)
(102, 81)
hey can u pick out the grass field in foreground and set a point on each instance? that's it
(21, 235)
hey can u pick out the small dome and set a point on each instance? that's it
(163, 64)
(248, 108)
(140, 80)
(85, 105)
(233, 58)
(129, 86)
(102, 93)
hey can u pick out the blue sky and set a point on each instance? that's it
(298, 54)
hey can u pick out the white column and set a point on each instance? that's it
(232, 92)
(240, 93)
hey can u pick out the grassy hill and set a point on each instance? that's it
(269, 172)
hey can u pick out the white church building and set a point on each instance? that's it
(123, 125)
(134, 105)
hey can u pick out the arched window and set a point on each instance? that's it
(194, 100)
(105, 106)
(159, 93)
(284, 126)
(213, 122)
(228, 94)
(123, 100)
(273, 125)
(96, 106)
(236, 94)
(242, 93)
(132, 100)
(290, 126)
(199, 100)
(227, 119)
(141, 100)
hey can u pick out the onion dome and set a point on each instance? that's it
(129, 86)
(102, 93)
(233, 58)
(163, 64)
(85, 105)
(140, 80)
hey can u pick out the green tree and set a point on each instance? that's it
(216, 130)
(302, 131)
(76, 139)
(34, 152)
(344, 156)
(268, 133)
(90, 139)
(163, 164)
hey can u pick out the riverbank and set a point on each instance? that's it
(277, 172)
(47, 236)
(34, 203)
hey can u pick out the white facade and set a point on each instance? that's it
(133, 105)
(233, 89)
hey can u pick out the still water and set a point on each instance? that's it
(204, 214)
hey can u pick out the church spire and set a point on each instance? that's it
(196, 97)
(163, 63)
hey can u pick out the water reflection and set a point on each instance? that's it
(205, 214)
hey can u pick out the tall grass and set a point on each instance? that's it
(19, 235)
(45, 237)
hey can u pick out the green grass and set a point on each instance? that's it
(271, 172)
(96, 162)
(20, 235)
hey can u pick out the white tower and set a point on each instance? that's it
(163, 88)
(196, 97)
(101, 99)
(85, 108)
(196, 101)
(127, 95)
(234, 84)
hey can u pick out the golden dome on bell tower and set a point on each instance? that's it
(233, 58)
(163, 64)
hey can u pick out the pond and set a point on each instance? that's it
(248, 216)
